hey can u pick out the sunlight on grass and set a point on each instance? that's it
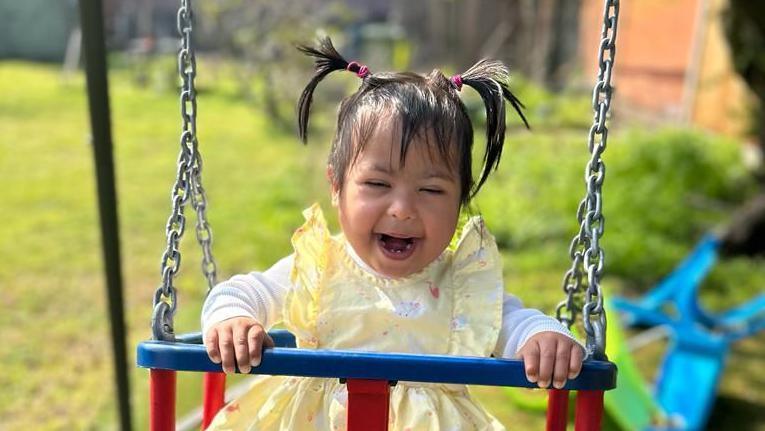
(54, 324)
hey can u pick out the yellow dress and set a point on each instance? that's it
(453, 306)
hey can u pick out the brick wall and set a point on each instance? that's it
(672, 62)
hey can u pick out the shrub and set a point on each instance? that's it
(663, 191)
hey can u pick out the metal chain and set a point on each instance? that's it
(188, 184)
(203, 228)
(585, 252)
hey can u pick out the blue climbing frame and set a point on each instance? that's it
(188, 354)
(699, 340)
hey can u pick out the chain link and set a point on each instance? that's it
(587, 257)
(188, 185)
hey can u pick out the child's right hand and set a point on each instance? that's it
(237, 341)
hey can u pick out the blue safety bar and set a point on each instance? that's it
(188, 354)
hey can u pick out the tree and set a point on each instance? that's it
(259, 35)
(745, 30)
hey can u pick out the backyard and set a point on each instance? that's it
(665, 189)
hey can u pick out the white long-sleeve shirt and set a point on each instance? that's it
(260, 295)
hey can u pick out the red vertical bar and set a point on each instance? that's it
(368, 404)
(557, 410)
(214, 396)
(162, 400)
(589, 410)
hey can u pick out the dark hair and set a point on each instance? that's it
(420, 104)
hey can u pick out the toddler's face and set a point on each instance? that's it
(397, 218)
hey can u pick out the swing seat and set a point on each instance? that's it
(699, 340)
(363, 368)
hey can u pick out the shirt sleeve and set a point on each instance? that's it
(519, 324)
(259, 295)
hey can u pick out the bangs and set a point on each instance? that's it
(423, 108)
(420, 108)
(434, 135)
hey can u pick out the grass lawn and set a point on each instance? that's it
(54, 323)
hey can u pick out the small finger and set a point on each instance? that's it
(530, 356)
(255, 336)
(242, 349)
(562, 362)
(211, 345)
(575, 366)
(547, 352)
(226, 346)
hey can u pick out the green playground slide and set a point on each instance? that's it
(631, 404)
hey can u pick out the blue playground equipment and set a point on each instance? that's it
(699, 344)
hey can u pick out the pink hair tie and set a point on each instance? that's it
(361, 70)
(457, 81)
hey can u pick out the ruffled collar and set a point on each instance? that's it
(315, 216)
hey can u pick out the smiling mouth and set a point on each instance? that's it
(397, 247)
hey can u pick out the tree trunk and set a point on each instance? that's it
(745, 31)
(745, 235)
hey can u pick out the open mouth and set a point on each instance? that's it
(397, 247)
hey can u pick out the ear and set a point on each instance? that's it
(334, 188)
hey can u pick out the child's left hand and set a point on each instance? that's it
(551, 356)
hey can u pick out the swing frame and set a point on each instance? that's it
(369, 375)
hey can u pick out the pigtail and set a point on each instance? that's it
(327, 61)
(489, 78)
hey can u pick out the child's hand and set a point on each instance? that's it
(550, 355)
(237, 340)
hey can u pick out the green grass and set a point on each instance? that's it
(54, 323)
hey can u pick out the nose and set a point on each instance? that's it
(402, 206)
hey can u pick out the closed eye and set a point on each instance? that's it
(375, 184)
(432, 190)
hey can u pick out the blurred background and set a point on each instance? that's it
(685, 158)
